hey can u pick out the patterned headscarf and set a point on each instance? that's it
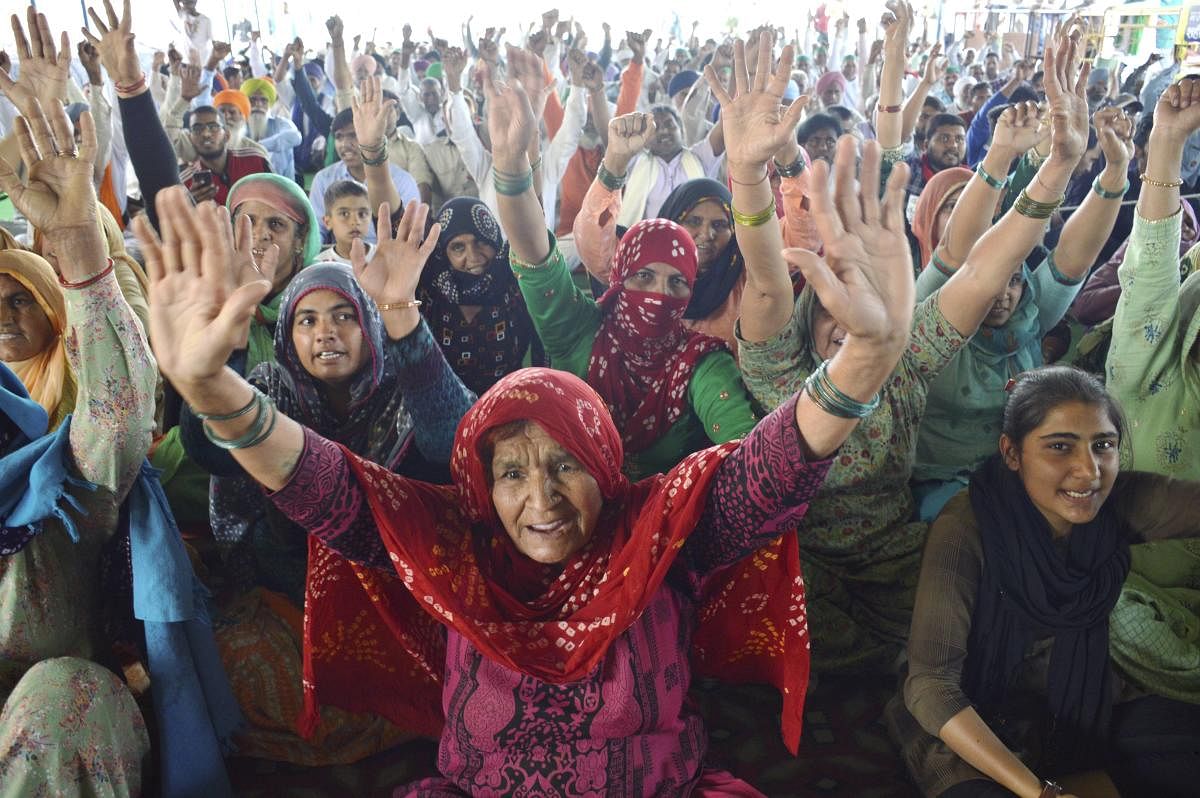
(643, 356)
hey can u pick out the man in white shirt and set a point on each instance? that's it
(195, 26)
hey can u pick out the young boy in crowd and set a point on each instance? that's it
(348, 216)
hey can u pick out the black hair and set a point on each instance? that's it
(994, 114)
(344, 119)
(934, 102)
(206, 109)
(981, 85)
(842, 113)
(1040, 390)
(1038, 76)
(943, 120)
(343, 188)
(1141, 133)
(665, 108)
(391, 95)
(1023, 94)
(815, 123)
(232, 71)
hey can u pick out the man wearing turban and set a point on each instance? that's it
(278, 136)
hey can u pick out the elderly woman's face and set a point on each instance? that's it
(545, 498)
(469, 254)
(25, 330)
(710, 228)
(268, 226)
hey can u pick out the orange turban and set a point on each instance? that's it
(232, 97)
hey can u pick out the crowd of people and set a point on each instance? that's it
(489, 390)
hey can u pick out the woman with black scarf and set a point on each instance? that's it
(470, 299)
(1010, 685)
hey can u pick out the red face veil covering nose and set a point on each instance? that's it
(643, 357)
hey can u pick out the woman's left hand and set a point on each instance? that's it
(391, 277)
(755, 124)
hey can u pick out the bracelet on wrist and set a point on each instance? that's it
(129, 89)
(405, 305)
(510, 185)
(733, 179)
(1033, 209)
(372, 160)
(260, 429)
(1149, 181)
(991, 181)
(888, 109)
(754, 219)
(1105, 193)
(229, 416)
(829, 398)
(608, 179)
(89, 280)
(790, 170)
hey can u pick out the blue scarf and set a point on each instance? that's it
(195, 708)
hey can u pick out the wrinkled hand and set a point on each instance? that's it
(1114, 129)
(1066, 85)
(1017, 129)
(511, 123)
(115, 43)
(45, 69)
(489, 51)
(58, 197)
(593, 77)
(454, 61)
(865, 279)
(755, 125)
(393, 273)
(201, 301)
(1177, 114)
(527, 69)
(371, 112)
(537, 42)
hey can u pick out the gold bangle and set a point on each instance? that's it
(756, 219)
(1176, 183)
(385, 306)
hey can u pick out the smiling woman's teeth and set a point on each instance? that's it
(1074, 494)
(328, 355)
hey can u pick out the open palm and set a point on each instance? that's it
(754, 123)
(392, 275)
(511, 123)
(44, 68)
(1066, 87)
(865, 279)
(198, 313)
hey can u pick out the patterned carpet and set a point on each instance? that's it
(845, 751)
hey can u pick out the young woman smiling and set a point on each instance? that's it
(1009, 670)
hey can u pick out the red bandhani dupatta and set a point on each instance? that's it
(643, 356)
(371, 639)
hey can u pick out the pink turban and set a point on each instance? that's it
(829, 80)
(364, 61)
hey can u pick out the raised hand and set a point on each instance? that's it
(58, 197)
(371, 112)
(636, 42)
(593, 77)
(865, 279)
(1017, 129)
(935, 66)
(44, 68)
(577, 60)
(897, 24)
(526, 68)
(537, 42)
(1066, 85)
(115, 43)
(511, 123)
(1114, 129)
(200, 310)
(628, 135)
(391, 277)
(189, 81)
(336, 28)
(1177, 114)
(89, 58)
(754, 122)
(454, 61)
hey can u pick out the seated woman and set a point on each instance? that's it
(859, 547)
(966, 400)
(1010, 683)
(390, 399)
(560, 584)
(471, 300)
(671, 391)
(33, 317)
(69, 725)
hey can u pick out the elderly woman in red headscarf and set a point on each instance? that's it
(543, 603)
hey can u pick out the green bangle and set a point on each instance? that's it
(228, 416)
(367, 160)
(252, 436)
(1105, 193)
(790, 170)
(991, 181)
(512, 185)
(827, 396)
(1033, 209)
(608, 179)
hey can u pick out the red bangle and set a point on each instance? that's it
(888, 109)
(131, 88)
(95, 278)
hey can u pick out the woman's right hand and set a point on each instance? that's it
(511, 123)
(391, 277)
(1066, 87)
(199, 313)
(115, 43)
(628, 135)
(865, 279)
(44, 71)
(371, 113)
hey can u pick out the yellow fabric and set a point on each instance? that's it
(47, 376)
